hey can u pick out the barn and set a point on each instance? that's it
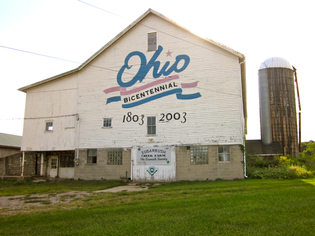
(156, 103)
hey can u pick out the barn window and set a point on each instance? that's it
(224, 153)
(92, 156)
(151, 124)
(198, 155)
(152, 41)
(49, 126)
(67, 161)
(107, 122)
(114, 156)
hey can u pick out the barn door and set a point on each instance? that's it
(153, 164)
(53, 166)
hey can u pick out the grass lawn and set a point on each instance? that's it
(242, 207)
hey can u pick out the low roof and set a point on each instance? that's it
(9, 140)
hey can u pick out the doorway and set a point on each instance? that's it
(53, 166)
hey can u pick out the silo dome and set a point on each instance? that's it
(275, 62)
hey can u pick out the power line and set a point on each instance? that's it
(106, 68)
(37, 54)
(35, 118)
(178, 38)
(11, 119)
(101, 9)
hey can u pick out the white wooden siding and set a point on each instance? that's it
(77, 103)
(56, 102)
(214, 118)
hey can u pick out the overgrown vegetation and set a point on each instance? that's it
(284, 167)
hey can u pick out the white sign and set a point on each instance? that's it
(154, 156)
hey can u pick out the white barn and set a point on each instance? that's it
(156, 103)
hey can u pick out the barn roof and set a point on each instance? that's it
(9, 140)
(150, 11)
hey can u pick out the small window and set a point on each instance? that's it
(92, 156)
(114, 156)
(49, 126)
(198, 155)
(67, 161)
(151, 125)
(53, 164)
(107, 122)
(224, 153)
(152, 41)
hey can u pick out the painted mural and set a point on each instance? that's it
(168, 85)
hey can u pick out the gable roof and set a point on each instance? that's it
(150, 11)
(9, 140)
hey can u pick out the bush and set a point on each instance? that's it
(285, 161)
(282, 172)
(262, 162)
(300, 172)
(307, 156)
(270, 173)
(283, 167)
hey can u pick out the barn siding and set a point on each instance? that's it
(54, 102)
(216, 117)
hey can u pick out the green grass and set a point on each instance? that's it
(243, 207)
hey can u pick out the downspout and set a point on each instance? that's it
(244, 139)
(245, 169)
(77, 133)
(131, 162)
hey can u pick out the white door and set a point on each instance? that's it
(153, 164)
(53, 166)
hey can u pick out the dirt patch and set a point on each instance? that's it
(25, 201)
(129, 188)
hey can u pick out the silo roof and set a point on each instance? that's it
(273, 62)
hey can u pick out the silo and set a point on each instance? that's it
(277, 104)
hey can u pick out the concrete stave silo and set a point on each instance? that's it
(277, 105)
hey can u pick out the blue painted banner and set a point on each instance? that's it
(154, 90)
(154, 97)
(113, 99)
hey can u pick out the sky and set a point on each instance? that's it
(43, 38)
